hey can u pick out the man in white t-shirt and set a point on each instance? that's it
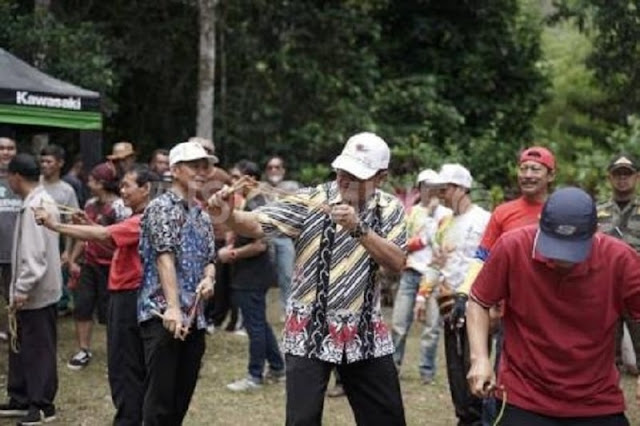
(422, 224)
(457, 241)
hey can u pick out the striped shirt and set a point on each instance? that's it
(300, 217)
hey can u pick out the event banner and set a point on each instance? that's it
(48, 100)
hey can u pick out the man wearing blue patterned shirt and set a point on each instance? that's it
(177, 251)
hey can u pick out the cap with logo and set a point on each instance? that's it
(189, 151)
(623, 161)
(429, 177)
(121, 150)
(364, 155)
(539, 155)
(567, 224)
(456, 174)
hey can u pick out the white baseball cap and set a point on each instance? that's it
(189, 151)
(363, 156)
(456, 174)
(429, 177)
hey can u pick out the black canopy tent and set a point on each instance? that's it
(29, 97)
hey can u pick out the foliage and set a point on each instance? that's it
(439, 80)
(77, 53)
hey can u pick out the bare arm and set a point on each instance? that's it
(481, 371)
(250, 250)
(245, 224)
(82, 232)
(165, 262)
(384, 252)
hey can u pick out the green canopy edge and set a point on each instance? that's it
(81, 120)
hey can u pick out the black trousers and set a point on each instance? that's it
(172, 372)
(456, 345)
(372, 388)
(125, 358)
(222, 302)
(33, 374)
(514, 416)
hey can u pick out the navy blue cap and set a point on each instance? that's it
(567, 225)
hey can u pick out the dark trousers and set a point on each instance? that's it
(456, 344)
(372, 388)
(33, 374)
(172, 372)
(514, 416)
(125, 358)
(222, 302)
(263, 345)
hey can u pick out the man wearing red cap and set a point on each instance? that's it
(536, 172)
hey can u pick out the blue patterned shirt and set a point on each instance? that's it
(169, 225)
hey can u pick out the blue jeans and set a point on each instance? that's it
(283, 254)
(429, 339)
(403, 318)
(262, 342)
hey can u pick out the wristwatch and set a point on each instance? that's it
(360, 230)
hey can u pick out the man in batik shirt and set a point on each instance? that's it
(344, 231)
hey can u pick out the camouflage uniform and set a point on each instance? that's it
(625, 225)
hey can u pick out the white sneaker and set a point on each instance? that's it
(244, 385)
(211, 329)
(241, 332)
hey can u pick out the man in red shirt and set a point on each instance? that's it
(125, 356)
(565, 287)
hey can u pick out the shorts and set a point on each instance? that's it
(91, 295)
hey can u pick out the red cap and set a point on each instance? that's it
(104, 172)
(539, 155)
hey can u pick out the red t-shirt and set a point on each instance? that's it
(126, 268)
(560, 328)
(508, 216)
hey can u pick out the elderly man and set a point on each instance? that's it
(344, 231)
(178, 254)
(565, 288)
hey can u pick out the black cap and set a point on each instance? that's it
(567, 225)
(25, 165)
(623, 161)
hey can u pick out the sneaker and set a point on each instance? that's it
(38, 417)
(240, 332)
(245, 385)
(211, 329)
(336, 391)
(12, 409)
(79, 360)
(275, 376)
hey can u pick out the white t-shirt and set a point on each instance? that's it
(462, 236)
(424, 224)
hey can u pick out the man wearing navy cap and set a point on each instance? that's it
(565, 287)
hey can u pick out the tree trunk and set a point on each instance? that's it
(206, 69)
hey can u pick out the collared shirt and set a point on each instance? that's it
(622, 224)
(300, 217)
(169, 225)
(559, 326)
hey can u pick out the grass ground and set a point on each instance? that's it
(84, 399)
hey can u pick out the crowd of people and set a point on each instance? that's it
(165, 252)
